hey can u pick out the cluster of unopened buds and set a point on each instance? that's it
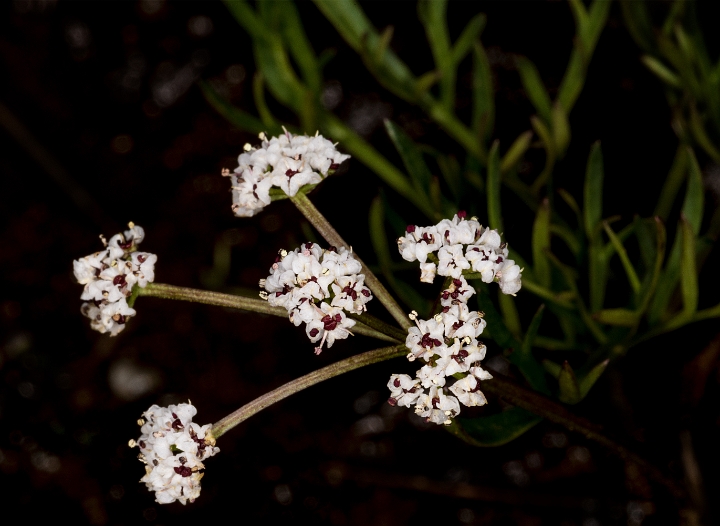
(109, 277)
(287, 162)
(319, 288)
(172, 448)
(456, 245)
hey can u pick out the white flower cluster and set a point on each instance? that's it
(317, 287)
(109, 276)
(448, 345)
(172, 448)
(453, 246)
(287, 162)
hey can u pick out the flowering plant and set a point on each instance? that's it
(572, 259)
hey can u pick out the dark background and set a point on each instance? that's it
(103, 123)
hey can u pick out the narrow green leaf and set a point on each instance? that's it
(692, 211)
(549, 144)
(569, 390)
(579, 12)
(516, 151)
(532, 331)
(268, 120)
(638, 23)
(433, 16)
(618, 317)
(545, 294)
(362, 151)
(593, 190)
(661, 71)
(493, 188)
(694, 195)
(524, 360)
(483, 97)
(411, 156)
(587, 381)
(586, 39)
(591, 219)
(494, 430)
(571, 202)
(356, 29)
(427, 81)
(697, 127)
(236, 116)
(534, 88)
(560, 129)
(469, 35)
(297, 42)
(688, 270)
(541, 244)
(624, 259)
(568, 237)
(450, 169)
(552, 368)
(671, 187)
(510, 314)
(382, 45)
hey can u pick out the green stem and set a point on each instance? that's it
(349, 364)
(556, 413)
(327, 231)
(172, 292)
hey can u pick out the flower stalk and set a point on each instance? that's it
(173, 292)
(349, 364)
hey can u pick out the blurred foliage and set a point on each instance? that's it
(573, 245)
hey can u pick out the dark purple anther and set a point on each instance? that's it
(141, 258)
(290, 173)
(462, 214)
(177, 425)
(392, 401)
(183, 470)
(410, 229)
(313, 333)
(334, 166)
(119, 280)
(396, 383)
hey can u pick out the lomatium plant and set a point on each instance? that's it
(465, 262)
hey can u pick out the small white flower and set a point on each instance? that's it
(468, 392)
(452, 261)
(404, 391)
(437, 407)
(459, 291)
(172, 448)
(509, 276)
(427, 272)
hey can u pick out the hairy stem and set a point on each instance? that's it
(349, 364)
(172, 292)
(327, 231)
